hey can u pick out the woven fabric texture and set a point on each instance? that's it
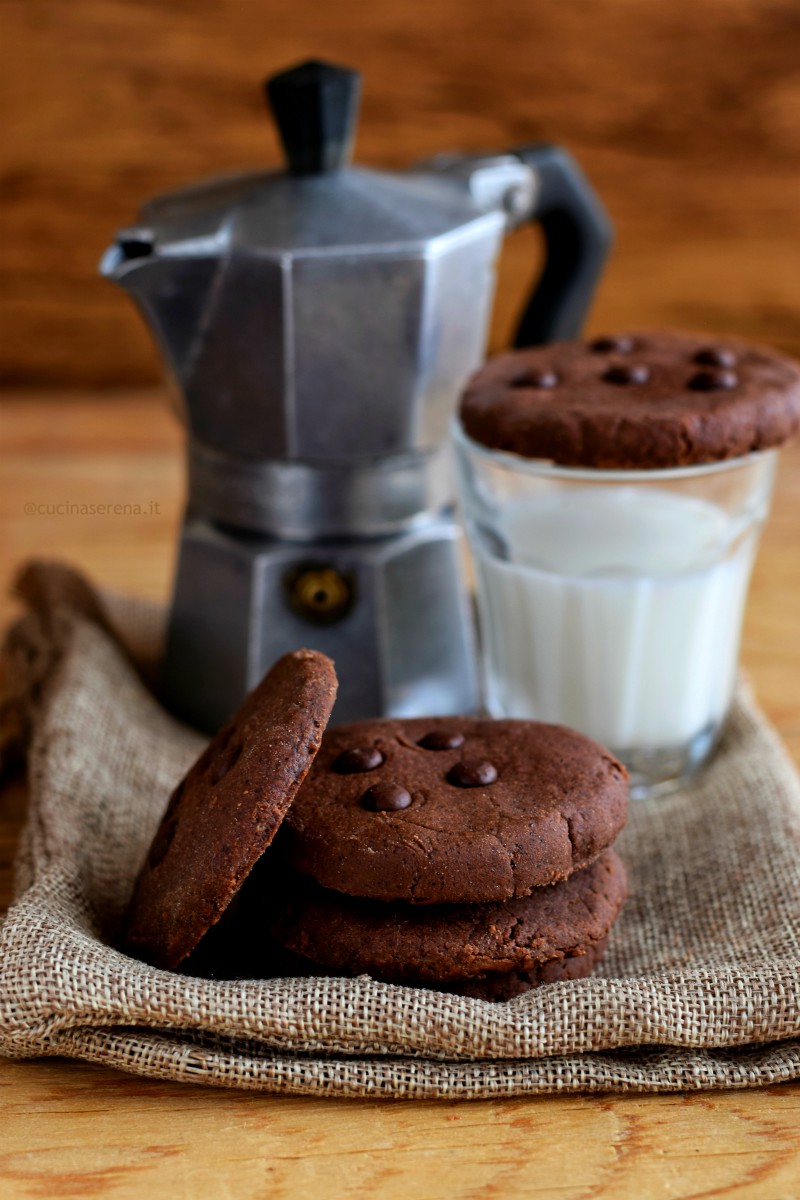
(700, 987)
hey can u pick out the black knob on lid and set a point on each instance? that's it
(315, 106)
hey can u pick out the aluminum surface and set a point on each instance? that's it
(403, 647)
(329, 318)
(298, 501)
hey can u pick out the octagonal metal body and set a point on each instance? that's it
(324, 319)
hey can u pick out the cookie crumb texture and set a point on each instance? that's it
(557, 799)
(500, 988)
(226, 811)
(653, 400)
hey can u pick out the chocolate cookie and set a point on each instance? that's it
(258, 958)
(225, 813)
(635, 401)
(453, 810)
(400, 943)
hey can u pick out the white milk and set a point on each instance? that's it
(619, 612)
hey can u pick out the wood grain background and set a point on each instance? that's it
(685, 114)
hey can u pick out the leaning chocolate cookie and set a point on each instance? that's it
(647, 400)
(453, 943)
(453, 810)
(225, 812)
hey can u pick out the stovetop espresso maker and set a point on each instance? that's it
(319, 323)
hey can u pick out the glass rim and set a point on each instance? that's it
(549, 469)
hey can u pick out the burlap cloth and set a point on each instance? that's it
(700, 987)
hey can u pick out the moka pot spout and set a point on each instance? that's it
(170, 286)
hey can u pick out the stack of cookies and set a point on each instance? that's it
(463, 854)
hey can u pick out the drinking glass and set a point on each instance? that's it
(612, 601)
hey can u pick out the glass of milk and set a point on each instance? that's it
(612, 601)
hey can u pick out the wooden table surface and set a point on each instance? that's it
(71, 1130)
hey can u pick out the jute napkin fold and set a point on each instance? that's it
(700, 987)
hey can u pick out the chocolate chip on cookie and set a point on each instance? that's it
(716, 356)
(472, 772)
(357, 760)
(386, 797)
(625, 373)
(713, 381)
(620, 343)
(441, 739)
(536, 379)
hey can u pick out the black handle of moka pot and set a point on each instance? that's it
(578, 236)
